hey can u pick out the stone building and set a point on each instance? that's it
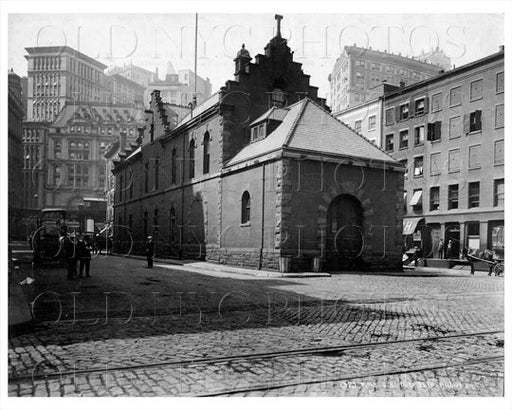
(134, 73)
(259, 173)
(15, 155)
(359, 69)
(179, 87)
(448, 131)
(120, 90)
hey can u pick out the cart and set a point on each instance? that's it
(496, 265)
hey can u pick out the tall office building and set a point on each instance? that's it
(359, 69)
(58, 75)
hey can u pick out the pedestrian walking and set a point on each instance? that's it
(449, 249)
(150, 251)
(70, 248)
(440, 249)
(84, 255)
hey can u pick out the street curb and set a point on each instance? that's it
(208, 268)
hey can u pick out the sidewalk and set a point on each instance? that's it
(214, 269)
(229, 271)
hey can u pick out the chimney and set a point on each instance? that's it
(402, 84)
(502, 48)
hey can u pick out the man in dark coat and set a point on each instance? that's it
(84, 254)
(150, 251)
(70, 247)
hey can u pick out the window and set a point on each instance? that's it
(455, 127)
(454, 160)
(474, 195)
(474, 156)
(453, 196)
(155, 220)
(278, 97)
(146, 177)
(437, 102)
(191, 159)
(101, 176)
(419, 106)
(435, 164)
(57, 176)
(389, 142)
(403, 111)
(499, 152)
(246, 207)
(417, 199)
(434, 198)
(419, 135)
(434, 131)
(418, 166)
(499, 116)
(404, 139)
(172, 225)
(455, 96)
(372, 122)
(79, 150)
(499, 192)
(78, 175)
(145, 220)
(376, 66)
(57, 148)
(475, 90)
(390, 117)
(357, 126)
(499, 83)
(206, 153)
(475, 121)
(156, 180)
(174, 166)
(360, 63)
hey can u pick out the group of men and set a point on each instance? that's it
(77, 249)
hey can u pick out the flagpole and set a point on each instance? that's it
(195, 68)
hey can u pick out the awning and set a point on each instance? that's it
(416, 198)
(410, 225)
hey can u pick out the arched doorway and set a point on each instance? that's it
(344, 237)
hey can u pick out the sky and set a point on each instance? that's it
(151, 40)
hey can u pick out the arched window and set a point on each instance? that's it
(172, 225)
(206, 153)
(191, 159)
(145, 220)
(146, 176)
(173, 166)
(246, 207)
(155, 220)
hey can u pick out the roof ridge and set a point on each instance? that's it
(294, 125)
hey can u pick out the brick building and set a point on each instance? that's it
(258, 172)
(359, 69)
(448, 131)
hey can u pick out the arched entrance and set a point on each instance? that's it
(345, 232)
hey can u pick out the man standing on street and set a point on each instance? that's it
(150, 251)
(70, 248)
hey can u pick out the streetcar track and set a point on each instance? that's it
(249, 356)
(267, 387)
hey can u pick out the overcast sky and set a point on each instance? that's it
(151, 40)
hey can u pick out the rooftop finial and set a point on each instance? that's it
(278, 18)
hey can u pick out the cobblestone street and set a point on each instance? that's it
(130, 331)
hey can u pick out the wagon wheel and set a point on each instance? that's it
(499, 269)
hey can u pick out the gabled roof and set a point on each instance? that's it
(210, 102)
(274, 113)
(308, 127)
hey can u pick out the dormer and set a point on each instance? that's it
(267, 123)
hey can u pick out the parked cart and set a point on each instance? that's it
(496, 265)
